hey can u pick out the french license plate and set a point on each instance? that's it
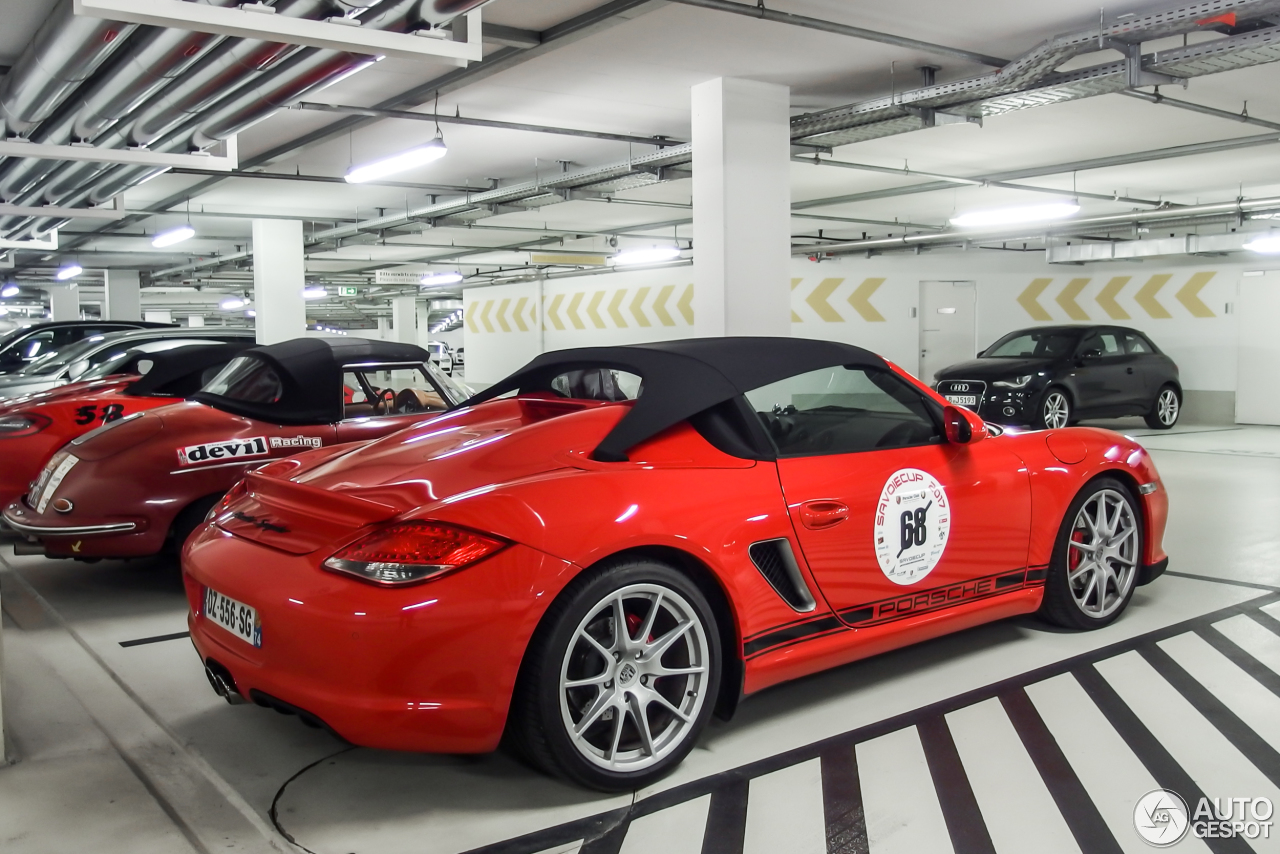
(962, 399)
(236, 617)
(50, 480)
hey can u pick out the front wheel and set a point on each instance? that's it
(621, 678)
(1166, 409)
(1095, 558)
(1055, 410)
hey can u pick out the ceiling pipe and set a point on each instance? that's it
(1238, 209)
(1157, 98)
(438, 118)
(65, 51)
(845, 30)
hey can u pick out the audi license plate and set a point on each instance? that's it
(962, 399)
(236, 617)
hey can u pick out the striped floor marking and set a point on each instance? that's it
(1058, 756)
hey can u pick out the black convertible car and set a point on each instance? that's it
(1052, 376)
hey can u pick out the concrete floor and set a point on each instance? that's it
(950, 745)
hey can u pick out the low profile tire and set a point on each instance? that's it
(620, 679)
(1165, 410)
(1055, 410)
(1096, 558)
(191, 517)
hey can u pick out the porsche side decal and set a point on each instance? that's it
(896, 608)
(912, 523)
(228, 450)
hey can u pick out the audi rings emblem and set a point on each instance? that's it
(959, 386)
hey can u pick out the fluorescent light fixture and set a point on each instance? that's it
(433, 279)
(314, 293)
(173, 236)
(250, 313)
(411, 159)
(9, 290)
(68, 272)
(231, 304)
(651, 255)
(1013, 216)
(1267, 243)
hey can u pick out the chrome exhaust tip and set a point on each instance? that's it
(223, 686)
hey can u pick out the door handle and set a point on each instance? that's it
(816, 515)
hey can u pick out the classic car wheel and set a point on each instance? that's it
(1166, 409)
(1055, 410)
(1095, 559)
(621, 678)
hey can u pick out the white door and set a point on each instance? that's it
(1257, 312)
(948, 325)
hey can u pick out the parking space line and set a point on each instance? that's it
(156, 639)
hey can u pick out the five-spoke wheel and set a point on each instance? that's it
(621, 677)
(1097, 557)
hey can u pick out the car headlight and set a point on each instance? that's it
(17, 426)
(1016, 382)
(412, 552)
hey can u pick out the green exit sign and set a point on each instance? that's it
(348, 291)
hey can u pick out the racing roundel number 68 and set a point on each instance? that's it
(912, 525)
(89, 414)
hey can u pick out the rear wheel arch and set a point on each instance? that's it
(190, 517)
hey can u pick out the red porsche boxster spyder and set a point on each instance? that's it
(143, 482)
(33, 428)
(612, 544)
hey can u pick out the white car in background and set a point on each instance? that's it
(441, 355)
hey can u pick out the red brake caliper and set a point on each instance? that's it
(1073, 555)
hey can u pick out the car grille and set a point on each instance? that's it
(953, 388)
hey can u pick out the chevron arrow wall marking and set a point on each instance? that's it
(860, 299)
(614, 305)
(470, 314)
(636, 310)
(1027, 299)
(593, 309)
(572, 311)
(686, 305)
(518, 316)
(1067, 299)
(484, 315)
(502, 311)
(1189, 295)
(818, 300)
(660, 306)
(1146, 296)
(795, 318)
(553, 311)
(1107, 298)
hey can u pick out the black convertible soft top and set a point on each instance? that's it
(179, 371)
(682, 378)
(310, 372)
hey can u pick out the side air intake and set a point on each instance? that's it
(777, 564)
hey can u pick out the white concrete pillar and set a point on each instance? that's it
(279, 275)
(123, 299)
(384, 328)
(404, 319)
(424, 323)
(64, 303)
(741, 208)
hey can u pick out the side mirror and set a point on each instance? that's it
(963, 426)
(77, 369)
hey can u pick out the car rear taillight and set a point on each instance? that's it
(27, 424)
(413, 552)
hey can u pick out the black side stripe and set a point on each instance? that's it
(1168, 773)
(1077, 808)
(965, 824)
(842, 802)
(792, 633)
(727, 819)
(1253, 746)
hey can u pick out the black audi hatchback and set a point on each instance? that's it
(1052, 376)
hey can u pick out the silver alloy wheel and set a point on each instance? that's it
(1102, 554)
(1056, 410)
(1167, 407)
(633, 679)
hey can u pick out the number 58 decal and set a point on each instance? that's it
(89, 414)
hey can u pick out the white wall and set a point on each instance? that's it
(872, 302)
